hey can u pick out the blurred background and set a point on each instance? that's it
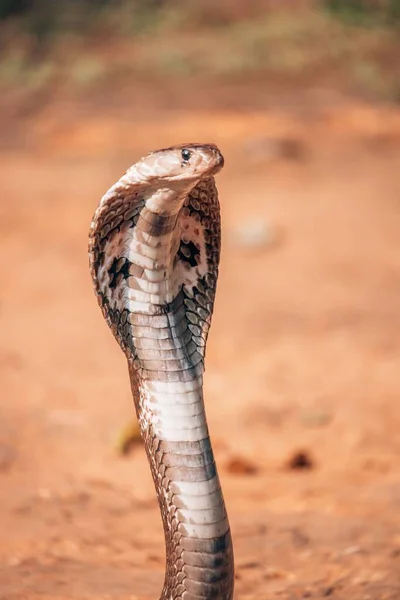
(302, 379)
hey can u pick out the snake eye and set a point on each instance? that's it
(185, 154)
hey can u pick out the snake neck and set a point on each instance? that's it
(199, 556)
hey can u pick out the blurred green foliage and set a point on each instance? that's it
(13, 7)
(366, 12)
(352, 43)
(45, 17)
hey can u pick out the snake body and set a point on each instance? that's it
(154, 249)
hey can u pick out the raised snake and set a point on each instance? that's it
(154, 248)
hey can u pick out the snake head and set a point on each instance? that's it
(186, 163)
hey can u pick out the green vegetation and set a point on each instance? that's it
(46, 19)
(366, 13)
(345, 42)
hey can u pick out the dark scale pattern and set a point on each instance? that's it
(203, 205)
(120, 206)
(118, 321)
(200, 302)
(189, 252)
(120, 266)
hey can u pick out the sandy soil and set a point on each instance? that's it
(302, 380)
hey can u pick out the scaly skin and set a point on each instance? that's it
(154, 253)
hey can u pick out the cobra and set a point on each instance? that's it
(154, 249)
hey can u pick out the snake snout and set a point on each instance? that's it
(220, 159)
(217, 159)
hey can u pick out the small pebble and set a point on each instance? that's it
(274, 148)
(129, 438)
(241, 466)
(315, 418)
(351, 550)
(300, 460)
(254, 233)
(8, 456)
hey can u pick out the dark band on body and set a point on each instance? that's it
(156, 224)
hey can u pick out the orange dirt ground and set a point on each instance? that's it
(302, 381)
